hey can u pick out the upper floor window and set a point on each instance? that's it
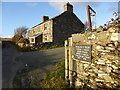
(45, 26)
(33, 31)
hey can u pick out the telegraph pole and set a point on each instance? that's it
(89, 14)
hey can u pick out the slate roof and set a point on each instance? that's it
(49, 19)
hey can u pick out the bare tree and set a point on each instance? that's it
(21, 31)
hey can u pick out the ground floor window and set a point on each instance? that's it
(32, 39)
(45, 37)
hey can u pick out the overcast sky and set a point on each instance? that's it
(29, 14)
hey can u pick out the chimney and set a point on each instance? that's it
(44, 18)
(68, 7)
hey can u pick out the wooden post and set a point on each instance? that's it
(89, 18)
(88, 8)
(66, 60)
(70, 61)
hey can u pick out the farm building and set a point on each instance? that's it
(56, 29)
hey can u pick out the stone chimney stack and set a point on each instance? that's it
(68, 7)
(44, 18)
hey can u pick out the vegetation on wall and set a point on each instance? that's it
(113, 21)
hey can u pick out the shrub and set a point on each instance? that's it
(23, 40)
(16, 38)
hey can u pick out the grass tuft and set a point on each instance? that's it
(56, 79)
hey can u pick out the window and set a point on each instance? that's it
(45, 26)
(45, 37)
(33, 31)
(32, 39)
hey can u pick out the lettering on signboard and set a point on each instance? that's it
(83, 52)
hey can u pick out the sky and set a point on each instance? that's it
(29, 14)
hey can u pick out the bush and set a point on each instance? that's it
(23, 40)
(16, 38)
(22, 49)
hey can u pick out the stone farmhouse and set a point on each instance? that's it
(56, 29)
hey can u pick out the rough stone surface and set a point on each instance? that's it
(104, 71)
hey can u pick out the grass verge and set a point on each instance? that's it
(54, 79)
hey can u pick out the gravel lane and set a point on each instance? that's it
(13, 61)
(42, 61)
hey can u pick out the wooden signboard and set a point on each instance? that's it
(83, 53)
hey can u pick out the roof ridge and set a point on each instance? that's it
(49, 19)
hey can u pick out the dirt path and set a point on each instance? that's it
(13, 61)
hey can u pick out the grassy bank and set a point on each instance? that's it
(56, 79)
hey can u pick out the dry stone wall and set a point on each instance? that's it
(104, 69)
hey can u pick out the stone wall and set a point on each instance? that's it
(104, 69)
